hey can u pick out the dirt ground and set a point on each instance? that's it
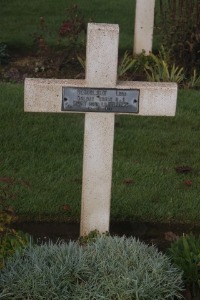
(54, 65)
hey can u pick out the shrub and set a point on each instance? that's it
(108, 268)
(180, 31)
(71, 34)
(4, 56)
(185, 253)
(10, 242)
(158, 68)
(73, 27)
(126, 64)
(10, 239)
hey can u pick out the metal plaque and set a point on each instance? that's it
(100, 100)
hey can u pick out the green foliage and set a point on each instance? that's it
(158, 68)
(4, 56)
(70, 35)
(10, 239)
(180, 31)
(7, 185)
(41, 36)
(127, 63)
(126, 67)
(193, 81)
(72, 27)
(82, 61)
(8, 191)
(10, 242)
(91, 237)
(112, 11)
(185, 253)
(109, 268)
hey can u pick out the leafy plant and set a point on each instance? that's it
(10, 239)
(41, 37)
(108, 268)
(128, 67)
(185, 253)
(68, 34)
(10, 242)
(82, 62)
(4, 56)
(127, 63)
(158, 68)
(72, 27)
(91, 237)
(193, 81)
(7, 192)
(179, 28)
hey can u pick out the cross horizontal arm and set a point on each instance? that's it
(45, 95)
(155, 98)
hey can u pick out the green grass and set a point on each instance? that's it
(20, 19)
(45, 150)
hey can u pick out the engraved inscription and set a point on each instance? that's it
(100, 100)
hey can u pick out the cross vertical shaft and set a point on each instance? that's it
(144, 23)
(99, 92)
(101, 71)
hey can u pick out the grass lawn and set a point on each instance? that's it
(20, 19)
(43, 153)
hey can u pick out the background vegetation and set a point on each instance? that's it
(24, 18)
(156, 170)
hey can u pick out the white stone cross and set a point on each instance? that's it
(98, 96)
(144, 23)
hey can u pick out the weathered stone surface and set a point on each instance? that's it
(102, 55)
(45, 95)
(156, 98)
(144, 23)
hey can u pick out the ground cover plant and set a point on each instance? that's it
(155, 169)
(185, 253)
(107, 268)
